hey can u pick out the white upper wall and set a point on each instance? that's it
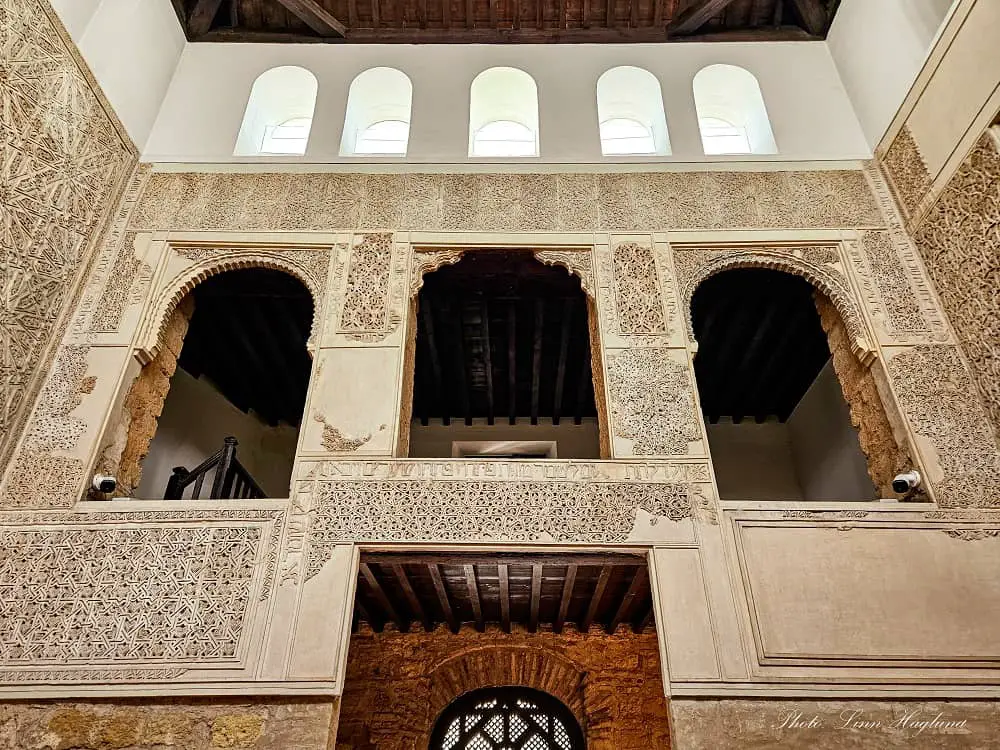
(811, 114)
(879, 47)
(132, 48)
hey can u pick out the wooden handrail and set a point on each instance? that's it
(231, 481)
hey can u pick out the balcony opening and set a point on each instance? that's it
(216, 413)
(503, 365)
(779, 426)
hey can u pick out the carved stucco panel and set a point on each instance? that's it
(907, 171)
(506, 202)
(375, 290)
(65, 159)
(651, 400)
(959, 240)
(937, 394)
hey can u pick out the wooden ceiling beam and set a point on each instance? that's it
(586, 14)
(648, 619)
(540, 15)
(504, 573)
(567, 596)
(446, 14)
(376, 15)
(442, 595)
(315, 16)
(494, 23)
(411, 597)
(536, 597)
(659, 9)
(474, 600)
(697, 16)
(563, 353)
(470, 14)
(430, 341)
(595, 599)
(454, 314)
(512, 362)
(199, 20)
(610, 15)
(536, 359)
(487, 359)
(562, 13)
(382, 599)
(634, 589)
(521, 559)
(813, 15)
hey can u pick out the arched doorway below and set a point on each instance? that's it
(507, 718)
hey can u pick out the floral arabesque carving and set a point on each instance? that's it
(652, 402)
(127, 278)
(936, 392)
(907, 171)
(429, 261)
(48, 474)
(66, 158)
(959, 240)
(309, 266)
(124, 595)
(579, 263)
(816, 264)
(371, 306)
(638, 295)
(486, 511)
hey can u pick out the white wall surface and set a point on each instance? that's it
(132, 48)
(572, 440)
(196, 419)
(879, 47)
(811, 114)
(825, 448)
(75, 15)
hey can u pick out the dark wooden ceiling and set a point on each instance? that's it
(536, 363)
(760, 344)
(413, 590)
(248, 337)
(504, 21)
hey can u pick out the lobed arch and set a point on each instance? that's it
(824, 280)
(208, 262)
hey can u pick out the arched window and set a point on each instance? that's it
(731, 112)
(630, 112)
(279, 113)
(508, 718)
(503, 114)
(378, 114)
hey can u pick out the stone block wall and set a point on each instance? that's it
(257, 724)
(398, 683)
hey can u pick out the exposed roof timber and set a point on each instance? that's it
(316, 17)
(200, 18)
(813, 15)
(698, 15)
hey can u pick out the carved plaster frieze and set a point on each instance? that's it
(907, 171)
(579, 263)
(497, 502)
(895, 289)
(959, 240)
(820, 265)
(139, 596)
(429, 261)
(374, 296)
(936, 393)
(308, 265)
(637, 302)
(506, 202)
(66, 159)
(652, 402)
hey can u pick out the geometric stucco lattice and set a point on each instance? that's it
(652, 402)
(64, 161)
(367, 313)
(638, 295)
(124, 595)
(487, 511)
(959, 240)
(937, 394)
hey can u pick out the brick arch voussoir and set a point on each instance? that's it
(823, 281)
(498, 666)
(185, 282)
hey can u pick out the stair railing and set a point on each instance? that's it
(231, 480)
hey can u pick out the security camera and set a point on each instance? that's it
(108, 484)
(906, 482)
